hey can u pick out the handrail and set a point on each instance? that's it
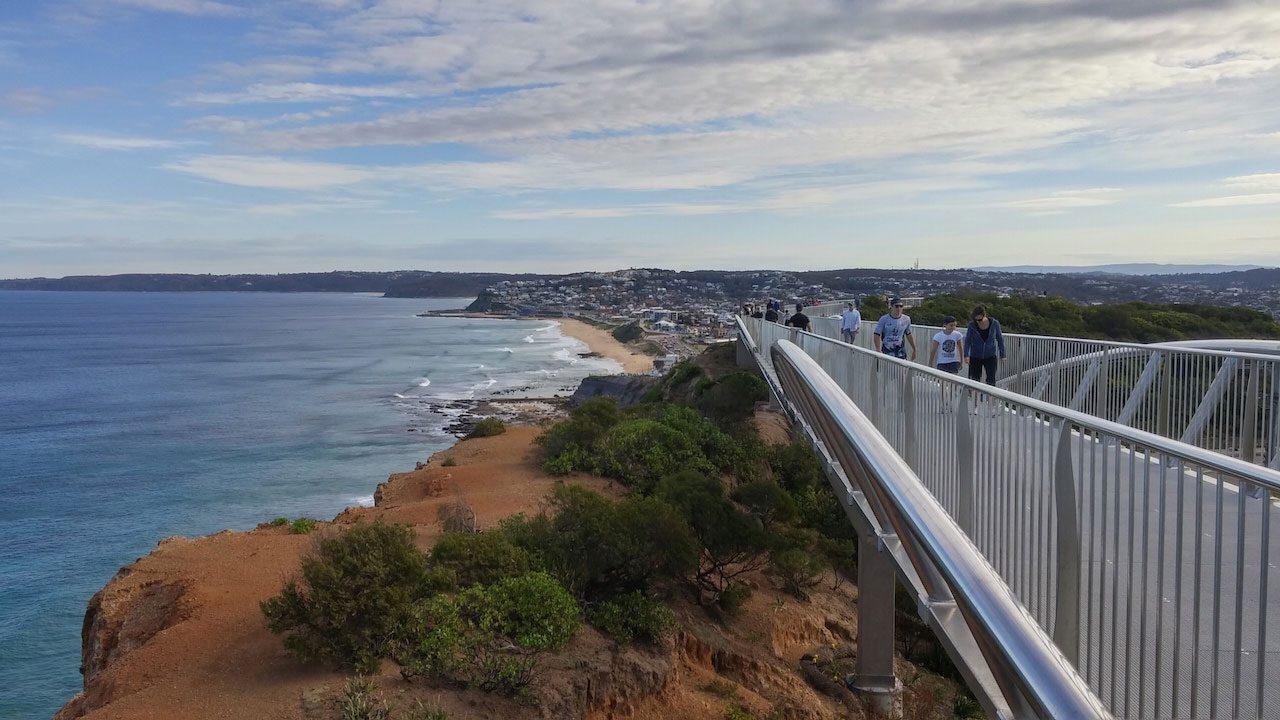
(1122, 544)
(1008, 637)
(1206, 458)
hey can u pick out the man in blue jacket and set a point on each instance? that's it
(983, 345)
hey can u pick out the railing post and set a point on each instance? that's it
(1066, 626)
(873, 673)
(1249, 419)
(964, 463)
(909, 420)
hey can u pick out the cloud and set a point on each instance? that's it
(1064, 200)
(1265, 187)
(1232, 200)
(300, 92)
(196, 8)
(269, 172)
(25, 100)
(103, 142)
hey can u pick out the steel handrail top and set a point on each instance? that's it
(1194, 347)
(1206, 458)
(1000, 623)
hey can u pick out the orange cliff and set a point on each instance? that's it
(178, 634)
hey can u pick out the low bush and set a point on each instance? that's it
(533, 611)
(842, 556)
(766, 501)
(487, 427)
(641, 452)
(632, 616)
(732, 399)
(449, 462)
(796, 467)
(600, 548)
(353, 591)
(488, 637)
(732, 544)
(799, 569)
(302, 526)
(479, 558)
(587, 423)
(280, 521)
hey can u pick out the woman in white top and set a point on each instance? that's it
(948, 347)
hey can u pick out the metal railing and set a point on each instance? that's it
(1145, 559)
(1225, 401)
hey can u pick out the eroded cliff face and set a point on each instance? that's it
(120, 618)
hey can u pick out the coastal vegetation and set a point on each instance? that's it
(1127, 322)
(487, 427)
(711, 513)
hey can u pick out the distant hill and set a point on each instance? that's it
(1121, 269)
(400, 283)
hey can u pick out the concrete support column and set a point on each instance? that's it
(873, 678)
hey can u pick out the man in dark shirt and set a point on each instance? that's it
(799, 320)
(772, 313)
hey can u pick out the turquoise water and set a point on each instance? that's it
(126, 418)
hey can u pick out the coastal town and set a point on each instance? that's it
(679, 313)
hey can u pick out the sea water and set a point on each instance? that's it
(126, 418)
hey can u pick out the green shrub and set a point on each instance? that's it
(796, 467)
(766, 501)
(487, 427)
(599, 548)
(723, 451)
(737, 712)
(732, 544)
(842, 556)
(732, 399)
(353, 591)
(641, 452)
(488, 636)
(302, 526)
(280, 521)
(628, 332)
(362, 701)
(431, 641)
(482, 558)
(532, 610)
(449, 462)
(798, 568)
(632, 616)
(587, 423)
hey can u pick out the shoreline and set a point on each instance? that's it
(606, 345)
(598, 341)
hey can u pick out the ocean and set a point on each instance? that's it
(126, 418)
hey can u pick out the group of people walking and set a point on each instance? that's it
(980, 346)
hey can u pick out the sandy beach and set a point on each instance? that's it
(602, 342)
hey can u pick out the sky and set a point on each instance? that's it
(562, 135)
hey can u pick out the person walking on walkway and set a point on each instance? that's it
(983, 345)
(947, 348)
(799, 320)
(893, 332)
(772, 313)
(850, 323)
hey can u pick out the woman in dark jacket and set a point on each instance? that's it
(983, 345)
